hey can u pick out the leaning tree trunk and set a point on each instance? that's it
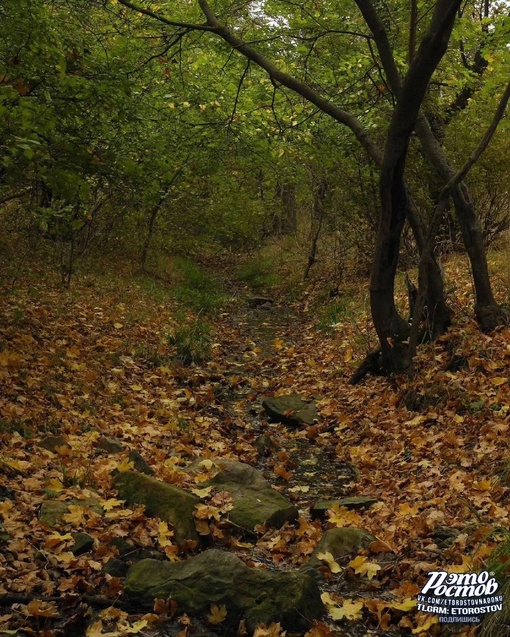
(488, 312)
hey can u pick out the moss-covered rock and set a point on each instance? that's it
(320, 507)
(291, 410)
(162, 500)
(218, 577)
(344, 542)
(255, 501)
(53, 443)
(52, 511)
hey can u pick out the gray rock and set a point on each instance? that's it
(320, 508)
(51, 443)
(255, 501)
(342, 543)
(115, 567)
(110, 445)
(162, 500)
(83, 543)
(218, 577)
(291, 410)
(264, 444)
(260, 301)
(140, 464)
(51, 511)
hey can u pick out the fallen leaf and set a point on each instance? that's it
(217, 614)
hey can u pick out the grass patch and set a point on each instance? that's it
(496, 624)
(260, 274)
(332, 312)
(192, 342)
(197, 289)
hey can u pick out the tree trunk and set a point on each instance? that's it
(488, 313)
(391, 328)
(439, 315)
(285, 222)
(319, 191)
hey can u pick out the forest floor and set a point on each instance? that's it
(96, 360)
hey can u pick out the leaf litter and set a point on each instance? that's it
(82, 366)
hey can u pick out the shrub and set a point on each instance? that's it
(192, 342)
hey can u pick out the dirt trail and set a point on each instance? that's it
(313, 472)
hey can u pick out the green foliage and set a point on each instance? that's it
(332, 312)
(192, 342)
(496, 624)
(197, 289)
(259, 273)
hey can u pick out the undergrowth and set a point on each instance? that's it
(197, 289)
(192, 342)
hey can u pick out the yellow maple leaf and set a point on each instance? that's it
(136, 627)
(342, 516)
(273, 630)
(95, 630)
(327, 557)
(405, 605)
(202, 493)
(54, 485)
(278, 344)
(55, 539)
(362, 566)
(349, 610)
(164, 534)
(217, 614)
(125, 465)
(499, 380)
(327, 600)
(75, 515)
(111, 503)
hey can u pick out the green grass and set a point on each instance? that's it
(260, 274)
(197, 289)
(192, 342)
(331, 312)
(496, 624)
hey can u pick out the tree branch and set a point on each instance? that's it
(484, 142)
(293, 83)
(15, 195)
(456, 179)
(382, 42)
(157, 16)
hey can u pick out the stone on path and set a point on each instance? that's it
(291, 410)
(343, 542)
(166, 501)
(218, 577)
(53, 443)
(255, 501)
(52, 511)
(320, 508)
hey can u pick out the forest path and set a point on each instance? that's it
(263, 348)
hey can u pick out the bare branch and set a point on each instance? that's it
(484, 142)
(239, 87)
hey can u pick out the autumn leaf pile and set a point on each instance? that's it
(96, 361)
